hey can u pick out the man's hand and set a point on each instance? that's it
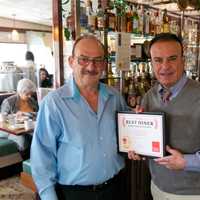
(175, 161)
(139, 109)
(133, 156)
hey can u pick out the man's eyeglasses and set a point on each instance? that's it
(84, 61)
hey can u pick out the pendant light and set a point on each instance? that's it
(14, 33)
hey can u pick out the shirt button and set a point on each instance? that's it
(104, 155)
(101, 138)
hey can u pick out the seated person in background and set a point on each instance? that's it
(21, 103)
(44, 78)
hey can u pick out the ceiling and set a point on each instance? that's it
(38, 11)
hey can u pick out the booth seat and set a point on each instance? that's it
(4, 95)
(26, 176)
(10, 158)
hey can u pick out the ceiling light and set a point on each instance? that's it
(15, 33)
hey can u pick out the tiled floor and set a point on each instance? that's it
(12, 189)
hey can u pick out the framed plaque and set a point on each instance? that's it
(143, 133)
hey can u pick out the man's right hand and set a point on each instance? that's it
(139, 109)
(133, 156)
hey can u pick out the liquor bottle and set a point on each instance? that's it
(135, 21)
(83, 17)
(152, 23)
(110, 75)
(125, 77)
(141, 88)
(111, 20)
(91, 16)
(157, 22)
(132, 94)
(137, 88)
(148, 76)
(146, 22)
(100, 17)
(123, 23)
(129, 23)
(141, 19)
(166, 27)
(174, 27)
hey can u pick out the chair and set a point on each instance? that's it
(10, 158)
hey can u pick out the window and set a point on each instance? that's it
(13, 52)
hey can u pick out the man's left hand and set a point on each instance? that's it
(175, 161)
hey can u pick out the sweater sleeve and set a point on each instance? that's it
(192, 162)
(5, 107)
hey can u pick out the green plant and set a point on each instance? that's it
(121, 6)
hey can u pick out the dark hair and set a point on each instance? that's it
(29, 56)
(166, 37)
(44, 70)
(86, 36)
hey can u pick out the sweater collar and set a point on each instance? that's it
(175, 89)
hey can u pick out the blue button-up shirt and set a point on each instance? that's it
(72, 144)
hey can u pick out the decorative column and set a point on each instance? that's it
(57, 30)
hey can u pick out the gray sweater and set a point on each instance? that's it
(183, 133)
(10, 104)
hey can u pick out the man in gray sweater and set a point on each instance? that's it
(176, 176)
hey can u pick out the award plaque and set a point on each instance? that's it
(143, 133)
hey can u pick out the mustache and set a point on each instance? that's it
(166, 72)
(90, 72)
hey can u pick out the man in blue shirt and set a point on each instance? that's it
(74, 148)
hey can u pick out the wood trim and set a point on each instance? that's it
(76, 13)
(27, 180)
(21, 30)
(58, 43)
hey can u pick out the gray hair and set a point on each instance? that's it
(25, 86)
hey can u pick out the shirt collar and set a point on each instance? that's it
(70, 89)
(176, 88)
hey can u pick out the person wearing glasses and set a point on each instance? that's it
(74, 152)
(177, 175)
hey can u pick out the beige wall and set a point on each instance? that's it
(8, 23)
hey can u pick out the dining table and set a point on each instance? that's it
(17, 129)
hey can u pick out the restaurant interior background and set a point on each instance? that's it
(24, 26)
(49, 35)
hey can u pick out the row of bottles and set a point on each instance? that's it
(141, 20)
(135, 82)
(136, 19)
(191, 49)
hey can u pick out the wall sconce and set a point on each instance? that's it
(14, 33)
